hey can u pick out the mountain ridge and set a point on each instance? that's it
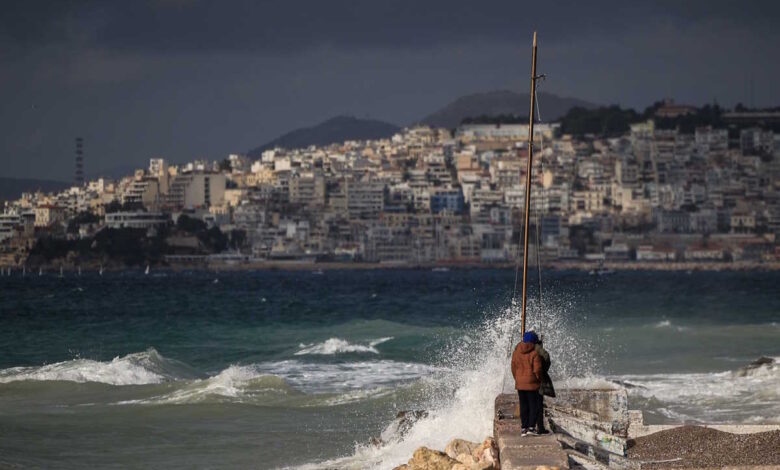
(334, 130)
(501, 102)
(492, 103)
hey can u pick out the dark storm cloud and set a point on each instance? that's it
(185, 79)
(286, 26)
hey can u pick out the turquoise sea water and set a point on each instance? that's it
(289, 369)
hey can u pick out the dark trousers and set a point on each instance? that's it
(529, 408)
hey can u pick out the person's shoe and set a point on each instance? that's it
(523, 432)
(542, 432)
(532, 432)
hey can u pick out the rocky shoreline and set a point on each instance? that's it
(682, 447)
(700, 447)
(459, 454)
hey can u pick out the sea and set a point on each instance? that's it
(309, 369)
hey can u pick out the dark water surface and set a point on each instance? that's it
(273, 369)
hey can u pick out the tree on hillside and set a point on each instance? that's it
(190, 224)
(607, 121)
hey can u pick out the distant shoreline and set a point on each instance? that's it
(601, 269)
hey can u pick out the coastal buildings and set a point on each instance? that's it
(427, 195)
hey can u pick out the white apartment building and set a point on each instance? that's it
(136, 219)
(197, 190)
(365, 199)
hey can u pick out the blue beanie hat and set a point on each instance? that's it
(530, 337)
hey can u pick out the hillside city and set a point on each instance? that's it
(650, 194)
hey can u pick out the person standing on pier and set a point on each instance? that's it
(546, 387)
(527, 371)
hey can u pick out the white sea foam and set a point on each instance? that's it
(348, 376)
(147, 367)
(355, 396)
(323, 384)
(341, 346)
(235, 384)
(461, 394)
(668, 324)
(743, 395)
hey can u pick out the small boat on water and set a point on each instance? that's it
(601, 271)
(147, 270)
(441, 269)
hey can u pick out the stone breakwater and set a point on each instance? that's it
(458, 455)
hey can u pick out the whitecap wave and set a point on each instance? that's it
(147, 367)
(283, 381)
(340, 346)
(347, 376)
(663, 324)
(234, 384)
(459, 396)
(743, 395)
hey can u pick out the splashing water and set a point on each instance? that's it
(474, 370)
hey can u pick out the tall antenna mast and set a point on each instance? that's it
(528, 184)
(79, 174)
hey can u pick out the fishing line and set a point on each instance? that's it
(536, 204)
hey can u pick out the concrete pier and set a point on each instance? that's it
(593, 429)
(523, 453)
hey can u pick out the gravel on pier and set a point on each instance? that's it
(705, 447)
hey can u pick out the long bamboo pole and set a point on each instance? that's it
(528, 183)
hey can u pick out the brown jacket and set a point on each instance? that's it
(526, 367)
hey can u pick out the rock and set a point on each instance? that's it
(459, 446)
(428, 459)
(467, 459)
(402, 467)
(475, 466)
(759, 363)
(400, 426)
(489, 442)
(490, 458)
(485, 455)
(406, 419)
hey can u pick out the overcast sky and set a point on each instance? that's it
(183, 79)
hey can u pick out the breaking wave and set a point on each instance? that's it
(459, 396)
(330, 378)
(294, 383)
(340, 346)
(668, 324)
(159, 380)
(234, 384)
(147, 367)
(749, 394)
